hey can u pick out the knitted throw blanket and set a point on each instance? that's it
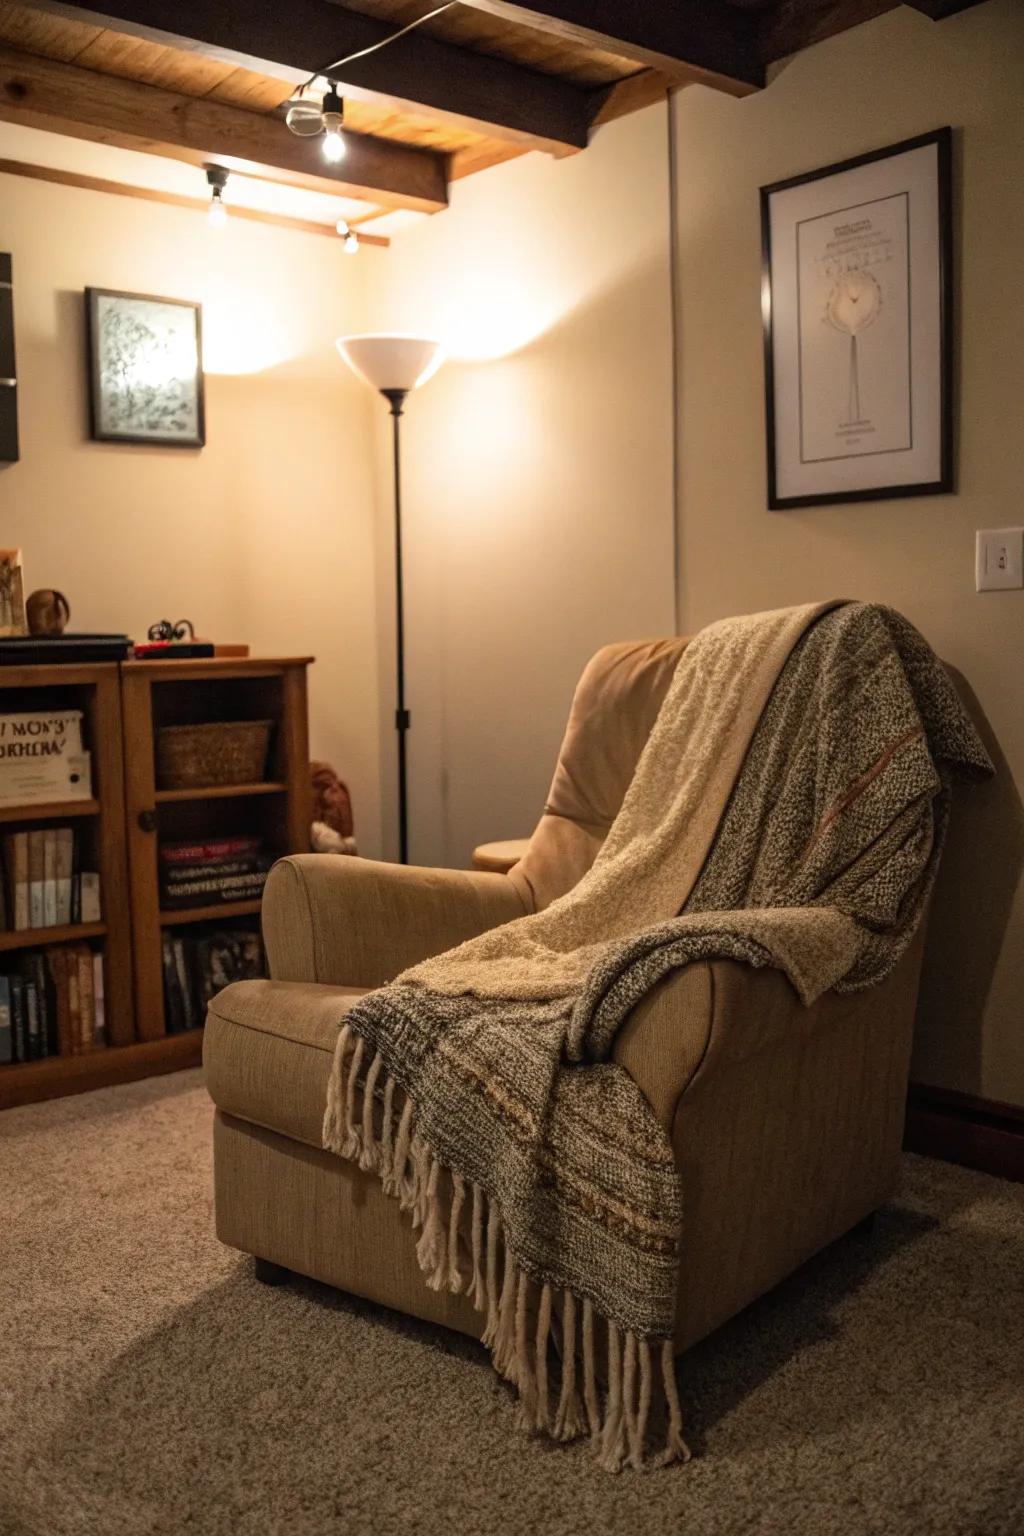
(788, 810)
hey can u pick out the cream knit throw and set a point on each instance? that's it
(789, 804)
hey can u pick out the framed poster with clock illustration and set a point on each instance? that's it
(856, 295)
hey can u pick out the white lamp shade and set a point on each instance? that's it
(392, 361)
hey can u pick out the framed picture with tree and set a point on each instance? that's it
(145, 369)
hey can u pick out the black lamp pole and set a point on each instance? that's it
(396, 400)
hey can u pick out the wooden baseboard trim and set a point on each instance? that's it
(961, 1128)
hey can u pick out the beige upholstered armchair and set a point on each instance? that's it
(786, 1121)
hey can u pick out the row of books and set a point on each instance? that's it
(42, 757)
(206, 874)
(197, 966)
(43, 884)
(53, 1004)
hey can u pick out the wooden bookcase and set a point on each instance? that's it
(123, 706)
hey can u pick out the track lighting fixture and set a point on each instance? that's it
(308, 119)
(217, 180)
(333, 111)
(349, 236)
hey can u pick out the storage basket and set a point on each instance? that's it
(204, 756)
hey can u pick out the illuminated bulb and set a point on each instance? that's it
(334, 144)
(218, 214)
(349, 236)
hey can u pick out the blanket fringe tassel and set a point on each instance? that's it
(526, 1321)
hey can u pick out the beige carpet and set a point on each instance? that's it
(149, 1384)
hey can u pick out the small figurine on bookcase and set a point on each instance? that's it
(47, 611)
(333, 828)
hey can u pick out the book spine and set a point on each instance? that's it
(50, 877)
(19, 1022)
(56, 962)
(85, 998)
(89, 896)
(65, 863)
(197, 853)
(74, 1002)
(36, 1044)
(17, 873)
(99, 1000)
(173, 1002)
(188, 1000)
(182, 872)
(36, 879)
(6, 1026)
(76, 880)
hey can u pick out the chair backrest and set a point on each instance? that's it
(613, 709)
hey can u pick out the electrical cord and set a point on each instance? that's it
(393, 37)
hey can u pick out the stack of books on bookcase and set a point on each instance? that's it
(44, 884)
(211, 873)
(52, 1004)
(196, 967)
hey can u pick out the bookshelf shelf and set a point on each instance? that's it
(223, 909)
(29, 1081)
(48, 810)
(39, 938)
(219, 792)
(121, 828)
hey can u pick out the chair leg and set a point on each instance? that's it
(268, 1273)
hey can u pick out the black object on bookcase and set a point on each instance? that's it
(8, 369)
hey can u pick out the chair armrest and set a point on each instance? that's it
(715, 1014)
(358, 923)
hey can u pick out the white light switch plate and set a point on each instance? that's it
(998, 559)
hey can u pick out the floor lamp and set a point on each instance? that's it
(396, 365)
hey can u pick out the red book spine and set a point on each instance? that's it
(199, 853)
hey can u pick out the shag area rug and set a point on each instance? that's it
(149, 1384)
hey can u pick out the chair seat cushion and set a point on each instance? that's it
(268, 1049)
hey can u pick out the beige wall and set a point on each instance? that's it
(266, 534)
(881, 82)
(537, 465)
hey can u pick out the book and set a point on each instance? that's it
(74, 1000)
(172, 650)
(16, 865)
(190, 1018)
(99, 1000)
(6, 1028)
(50, 877)
(36, 973)
(180, 874)
(36, 1044)
(85, 997)
(174, 1003)
(89, 897)
(19, 1022)
(218, 849)
(56, 963)
(36, 878)
(225, 888)
(65, 866)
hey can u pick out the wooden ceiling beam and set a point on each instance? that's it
(418, 73)
(83, 104)
(791, 25)
(689, 41)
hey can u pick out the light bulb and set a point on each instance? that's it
(351, 243)
(217, 214)
(334, 144)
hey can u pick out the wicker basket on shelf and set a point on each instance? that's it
(207, 756)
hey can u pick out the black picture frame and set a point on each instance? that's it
(943, 481)
(191, 407)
